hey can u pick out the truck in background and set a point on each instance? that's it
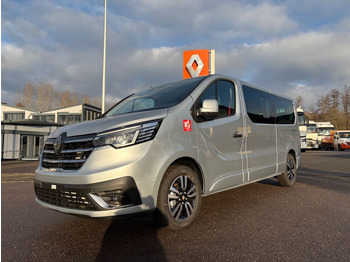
(327, 143)
(341, 139)
(323, 130)
(302, 129)
(312, 135)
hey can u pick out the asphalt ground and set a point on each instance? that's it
(18, 171)
(258, 222)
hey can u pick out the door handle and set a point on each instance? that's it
(237, 135)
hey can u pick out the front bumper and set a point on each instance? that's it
(345, 145)
(106, 196)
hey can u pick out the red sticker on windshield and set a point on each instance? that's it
(187, 125)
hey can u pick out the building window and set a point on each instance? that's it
(44, 118)
(68, 119)
(90, 114)
(13, 116)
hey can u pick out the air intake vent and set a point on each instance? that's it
(69, 199)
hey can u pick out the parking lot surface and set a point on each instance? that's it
(258, 222)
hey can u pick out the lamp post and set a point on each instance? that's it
(104, 60)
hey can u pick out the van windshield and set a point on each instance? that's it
(344, 134)
(162, 96)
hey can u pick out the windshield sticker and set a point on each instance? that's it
(187, 125)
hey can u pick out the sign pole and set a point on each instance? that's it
(212, 62)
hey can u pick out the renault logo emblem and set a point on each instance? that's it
(57, 145)
(195, 59)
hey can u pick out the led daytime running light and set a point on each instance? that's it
(127, 136)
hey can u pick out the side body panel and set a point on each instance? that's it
(219, 153)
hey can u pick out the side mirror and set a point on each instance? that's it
(210, 108)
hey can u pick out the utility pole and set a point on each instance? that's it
(104, 60)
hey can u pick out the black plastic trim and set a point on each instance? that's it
(126, 184)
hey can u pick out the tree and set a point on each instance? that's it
(66, 99)
(333, 107)
(29, 92)
(345, 99)
(45, 97)
(299, 101)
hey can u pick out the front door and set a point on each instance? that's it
(31, 146)
(220, 138)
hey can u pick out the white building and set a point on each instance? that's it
(23, 131)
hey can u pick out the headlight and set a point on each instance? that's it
(128, 136)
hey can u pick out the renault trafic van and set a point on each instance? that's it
(164, 148)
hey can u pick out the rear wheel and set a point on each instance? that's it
(289, 176)
(179, 198)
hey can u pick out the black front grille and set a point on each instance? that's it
(72, 155)
(63, 198)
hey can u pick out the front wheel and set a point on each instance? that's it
(289, 176)
(179, 198)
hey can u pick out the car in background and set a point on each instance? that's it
(342, 139)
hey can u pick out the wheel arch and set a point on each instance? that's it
(292, 152)
(191, 163)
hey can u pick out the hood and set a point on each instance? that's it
(103, 124)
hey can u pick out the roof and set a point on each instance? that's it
(29, 122)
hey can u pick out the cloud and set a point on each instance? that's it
(283, 46)
(314, 59)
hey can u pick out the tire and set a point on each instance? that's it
(179, 198)
(339, 148)
(289, 176)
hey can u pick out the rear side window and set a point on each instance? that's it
(259, 105)
(284, 111)
(265, 108)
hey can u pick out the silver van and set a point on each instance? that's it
(164, 148)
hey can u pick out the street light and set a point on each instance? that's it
(104, 60)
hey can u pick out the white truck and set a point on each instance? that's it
(312, 135)
(302, 129)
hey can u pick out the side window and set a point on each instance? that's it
(224, 93)
(284, 111)
(209, 93)
(259, 105)
(225, 97)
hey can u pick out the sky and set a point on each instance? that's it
(293, 47)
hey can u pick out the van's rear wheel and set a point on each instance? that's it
(289, 176)
(179, 198)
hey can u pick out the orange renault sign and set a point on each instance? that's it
(195, 63)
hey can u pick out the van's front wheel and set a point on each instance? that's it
(179, 198)
(289, 176)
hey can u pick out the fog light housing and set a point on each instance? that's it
(111, 199)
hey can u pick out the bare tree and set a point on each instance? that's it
(29, 93)
(86, 99)
(299, 101)
(43, 97)
(345, 98)
(66, 99)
